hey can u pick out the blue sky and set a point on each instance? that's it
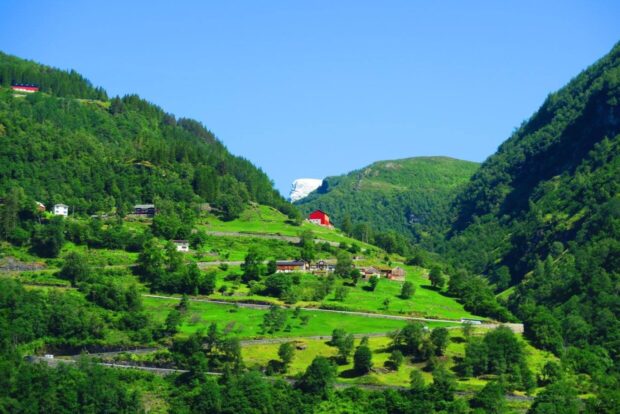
(318, 88)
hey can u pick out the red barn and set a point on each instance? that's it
(25, 87)
(319, 217)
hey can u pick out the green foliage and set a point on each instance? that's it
(113, 295)
(50, 80)
(341, 293)
(274, 320)
(213, 351)
(164, 269)
(149, 154)
(491, 399)
(49, 238)
(437, 279)
(409, 196)
(278, 285)
(344, 264)
(373, 282)
(395, 360)
(318, 378)
(82, 387)
(251, 265)
(75, 268)
(407, 291)
(286, 352)
(362, 360)
(440, 339)
(557, 398)
(409, 339)
(499, 353)
(543, 214)
(477, 296)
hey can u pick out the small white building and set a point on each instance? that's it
(182, 245)
(61, 210)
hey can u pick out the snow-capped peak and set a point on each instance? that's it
(303, 186)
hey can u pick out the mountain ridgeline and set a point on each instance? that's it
(410, 196)
(543, 214)
(71, 145)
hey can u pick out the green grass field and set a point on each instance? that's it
(245, 322)
(425, 302)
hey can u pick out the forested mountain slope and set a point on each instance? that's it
(410, 196)
(67, 144)
(544, 213)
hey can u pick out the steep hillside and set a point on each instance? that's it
(68, 144)
(410, 196)
(544, 213)
(51, 80)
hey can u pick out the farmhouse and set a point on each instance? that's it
(286, 266)
(319, 217)
(397, 273)
(322, 266)
(368, 272)
(25, 87)
(61, 210)
(144, 209)
(181, 245)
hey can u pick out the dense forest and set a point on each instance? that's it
(543, 215)
(411, 196)
(71, 84)
(70, 145)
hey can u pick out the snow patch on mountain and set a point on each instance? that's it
(303, 186)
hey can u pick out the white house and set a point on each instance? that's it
(182, 245)
(61, 210)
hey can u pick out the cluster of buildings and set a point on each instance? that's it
(325, 267)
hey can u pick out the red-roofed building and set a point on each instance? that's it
(22, 87)
(319, 217)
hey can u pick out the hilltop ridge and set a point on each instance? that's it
(410, 195)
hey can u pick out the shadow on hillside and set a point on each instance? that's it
(349, 373)
(433, 288)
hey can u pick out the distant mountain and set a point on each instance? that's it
(70, 144)
(543, 213)
(410, 196)
(302, 187)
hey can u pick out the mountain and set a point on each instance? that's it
(410, 195)
(543, 214)
(70, 144)
(302, 187)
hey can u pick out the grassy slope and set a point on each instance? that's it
(245, 323)
(426, 301)
(260, 354)
(266, 220)
(391, 195)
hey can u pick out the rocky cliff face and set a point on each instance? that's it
(302, 187)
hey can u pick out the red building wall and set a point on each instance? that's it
(320, 215)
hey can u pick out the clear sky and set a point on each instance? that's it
(318, 88)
